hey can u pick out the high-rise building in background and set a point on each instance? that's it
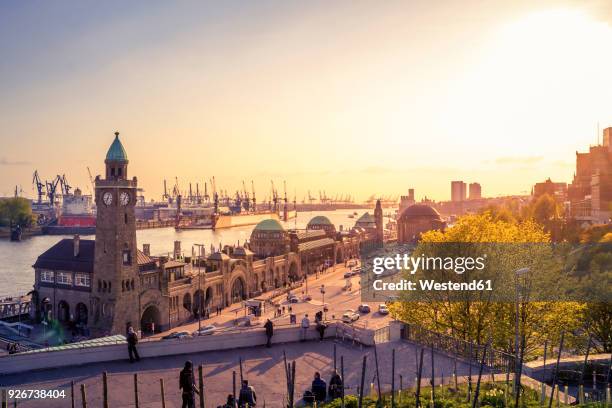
(590, 193)
(406, 201)
(475, 191)
(458, 191)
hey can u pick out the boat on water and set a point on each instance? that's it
(77, 216)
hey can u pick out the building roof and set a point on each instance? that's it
(269, 225)
(419, 210)
(116, 152)
(61, 256)
(173, 264)
(242, 251)
(320, 220)
(218, 256)
(366, 218)
(309, 234)
(143, 259)
(306, 246)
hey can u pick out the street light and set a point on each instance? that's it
(323, 293)
(199, 288)
(518, 273)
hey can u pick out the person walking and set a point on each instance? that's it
(269, 326)
(230, 403)
(132, 340)
(321, 329)
(319, 388)
(335, 386)
(247, 395)
(187, 385)
(305, 326)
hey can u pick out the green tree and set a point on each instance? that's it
(15, 211)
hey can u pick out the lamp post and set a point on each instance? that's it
(200, 246)
(517, 274)
(323, 293)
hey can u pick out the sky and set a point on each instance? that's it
(347, 97)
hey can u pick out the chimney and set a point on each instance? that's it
(146, 249)
(177, 249)
(77, 244)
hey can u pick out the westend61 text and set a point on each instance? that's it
(431, 285)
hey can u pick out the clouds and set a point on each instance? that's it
(8, 162)
(518, 160)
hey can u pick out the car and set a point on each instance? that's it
(210, 329)
(306, 298)
(350, 316)
(364, 308)
(348, 274)
(382, 309)
(293, 299)
(176, 335)
(356, 271)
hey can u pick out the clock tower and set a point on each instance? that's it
(116, 282)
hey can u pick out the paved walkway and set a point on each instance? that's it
(262, 367)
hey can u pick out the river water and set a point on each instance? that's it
(17, 258)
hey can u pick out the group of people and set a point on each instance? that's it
(246, 398)
(319, 391)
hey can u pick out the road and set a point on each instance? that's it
(336, 299)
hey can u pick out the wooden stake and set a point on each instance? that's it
(335, 368)
(342, 375)
(136, 402)
(393, 378)
(83, 396)
(418, 383)
(554, 383)
(433, 377)
(201, 384)
(105, 389)
(241, 375)
(4, 397)
(72, 393)
(377, 376)
(234, 384)
(363, 369)
(482, 364)
(163, 393)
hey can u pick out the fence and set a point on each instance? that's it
(496, 359)
(381, 335)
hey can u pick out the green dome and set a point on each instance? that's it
(320, 220)
(269, 225)
(116, 152)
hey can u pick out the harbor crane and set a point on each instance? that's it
(274, 196)
(39, 185)
(51, 188)
(253, 194)
(165, 196)
(64, 186)
(91, 180)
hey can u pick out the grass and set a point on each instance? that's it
(491, 395)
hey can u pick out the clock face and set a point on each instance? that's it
(124, 198)
(107, 198)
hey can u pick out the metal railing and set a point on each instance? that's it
(499, 360)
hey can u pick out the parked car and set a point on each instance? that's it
(364, 308)
(356, 271)
(176, 335)
(382, 309)
(348, 274)
(306, 298)
(350, 316)
(293, 299)
(210, 329)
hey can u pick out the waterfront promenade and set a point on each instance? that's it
(263, 368)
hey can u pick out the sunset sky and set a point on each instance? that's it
(359, 97)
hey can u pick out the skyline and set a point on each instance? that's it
(356, 98)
